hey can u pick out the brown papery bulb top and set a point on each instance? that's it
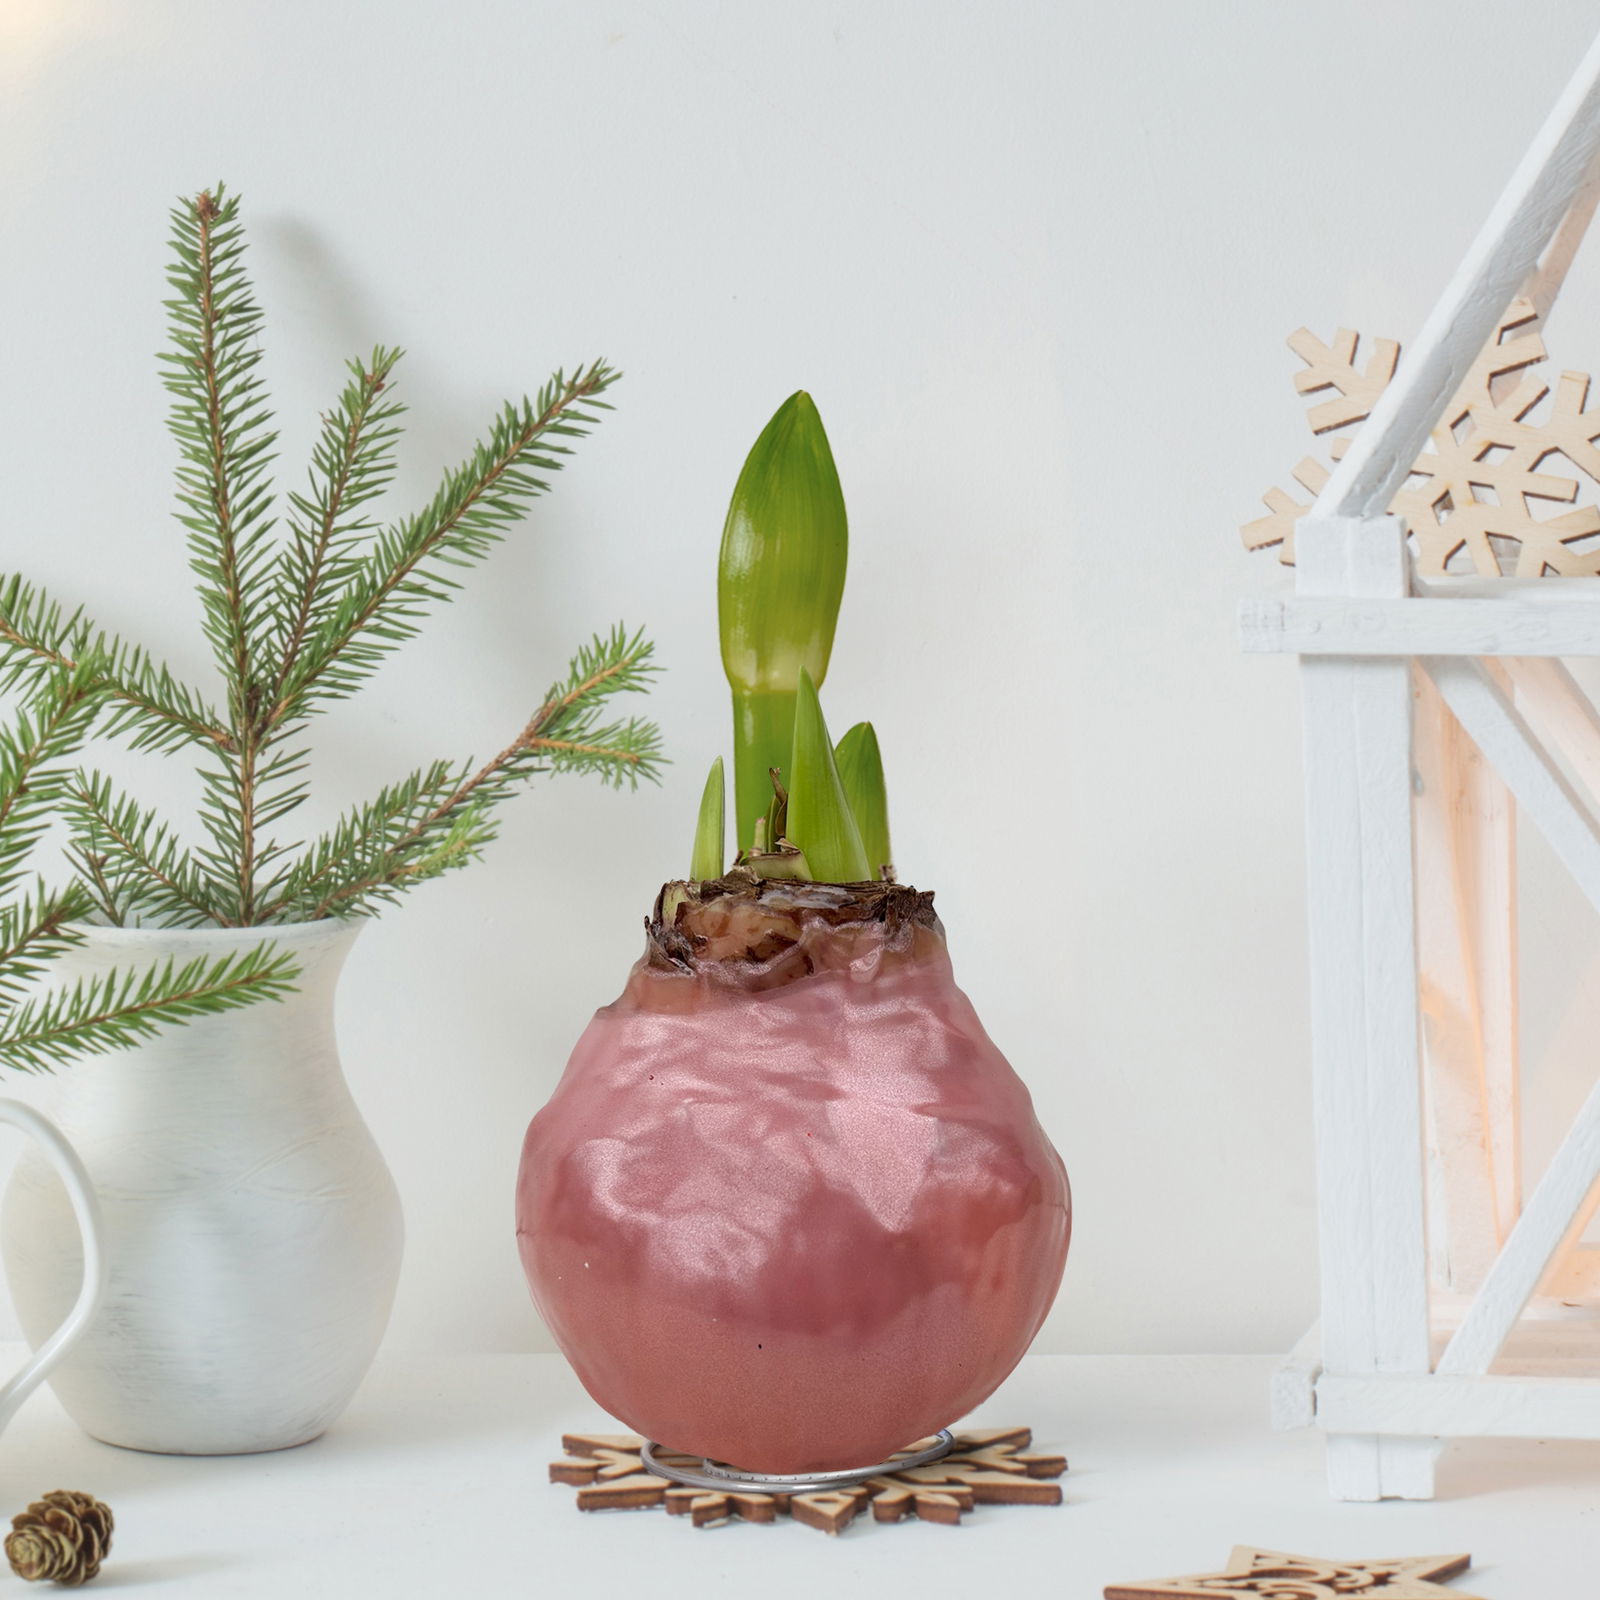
(751, 933)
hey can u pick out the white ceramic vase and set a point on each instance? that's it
(252, 1229)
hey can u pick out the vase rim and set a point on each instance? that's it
(289, 934)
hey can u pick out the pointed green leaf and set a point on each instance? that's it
(779, 582)
(711, 830)
(861, 772)
(820, 820)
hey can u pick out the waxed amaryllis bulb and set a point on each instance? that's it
(789, 1207)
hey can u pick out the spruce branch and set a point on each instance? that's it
(353, 463)
(385, 845)
(39, 1030)
(299, 620)
(567, 729)
(104, 900)
(564, 733)
(33, 932)
(39, 639)
(460, 839)
(96, 1015)
(140, 870)
(405, 571)
(221, 421)
(443, 818)
(222, 424)
(43, 734)
(240, 853)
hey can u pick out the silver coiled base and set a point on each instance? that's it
(714, 1475)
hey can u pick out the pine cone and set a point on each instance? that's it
(63, 1537)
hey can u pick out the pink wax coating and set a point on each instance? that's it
(793, 1228)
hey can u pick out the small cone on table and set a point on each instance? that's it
(61, 1538)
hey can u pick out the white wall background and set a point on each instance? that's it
(1036, 263)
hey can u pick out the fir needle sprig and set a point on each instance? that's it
(40, 1030)
(299, 619)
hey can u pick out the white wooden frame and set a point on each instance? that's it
(1431, 712)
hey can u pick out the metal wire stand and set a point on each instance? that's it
(714, 1475)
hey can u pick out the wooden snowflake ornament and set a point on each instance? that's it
(1479, 498)
(1272, 1575)
(995, 1466)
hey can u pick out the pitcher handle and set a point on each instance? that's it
(86, 1208)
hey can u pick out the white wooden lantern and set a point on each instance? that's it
(1433, 709)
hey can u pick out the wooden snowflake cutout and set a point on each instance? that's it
(1479, 498)
(1272, 1575)
(996, 1466)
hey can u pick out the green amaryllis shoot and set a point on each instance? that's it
(820, 823)
(861, 772)
(710, 832)
(800, 810)
(779, 582)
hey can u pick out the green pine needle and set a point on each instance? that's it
(711, 830)
(820, 819)
(352, 464)
(39, 640)
(380, 848)
(34, 930)
(441, 817)
(40, 1030)
(135, 865)
(96, 1015)
(298, 618)
(32, 781)
(222, 423)
(861, 772)
(410, 567)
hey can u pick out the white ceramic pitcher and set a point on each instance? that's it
(86, 1209)
(254, 1229)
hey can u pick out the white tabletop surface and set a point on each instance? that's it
(435, 1484)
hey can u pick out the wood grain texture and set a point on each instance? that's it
(1467, 949)
(1469, 1406)
(989, 1466)
(1279, 1576)
(1487, 491)
(1559, 1207)
(1365, 1026)
(1294, 1383)
(1343, 626)
(1554, 705)
(1490, 715)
